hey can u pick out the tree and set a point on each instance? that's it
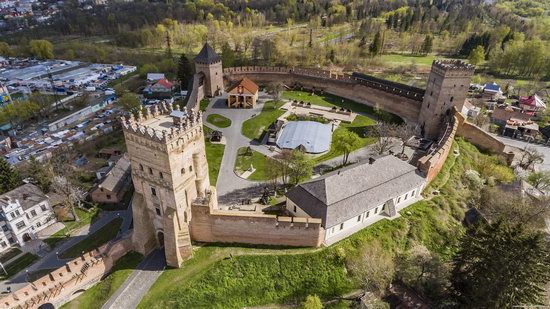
(6, 50)
(129, 102)
(529, 158)
(185, 71)
(312, 302)
(405, 132)
(477, 55)
(9, 177)
(283, 164)
(42, 49)
(275, 89)
(228, 55)
(540, 180)
(148, 68)
(383, 132)
(501, 265)
(40, 173)
(376, 46)
(427, 45)
(345, 141)
(300, 166)
(374, 268)
(71, 194)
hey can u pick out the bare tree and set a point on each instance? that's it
(283, 162)
(275, 89)
(529, 158)
(71, 194)
(383, 132)
(404, 132)
(374, 268)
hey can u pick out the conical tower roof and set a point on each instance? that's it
(207, 55)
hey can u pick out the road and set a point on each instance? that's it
(544, 150)
(138, 283)
(50, 260)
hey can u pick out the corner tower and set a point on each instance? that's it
(169, 170)
(447, 87)
(210, 64)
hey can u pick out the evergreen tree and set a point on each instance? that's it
(228, 55)
(9, 177)
(427, 45)
(501, 265)
(376, 45)
(185, 71)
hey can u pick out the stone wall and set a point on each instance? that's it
(343, 85)
(209, 224)
(60, 285)
(480, 138)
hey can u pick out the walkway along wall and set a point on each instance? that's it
(209, 224)
(60, 285)
(388, 97)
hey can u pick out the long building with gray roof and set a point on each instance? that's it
(358, 195)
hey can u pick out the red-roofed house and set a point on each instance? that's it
(244, 94)
(162, 89)
(531, 103)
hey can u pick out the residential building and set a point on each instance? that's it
(114, 184)
(352, 198)
(23, 212)
(243, 94)
(531, 104)
(162, 89)
(492, 89)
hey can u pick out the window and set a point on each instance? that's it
(431, 93)
(141, 167)
(332, 230)
(452, 98)
(153, 192)
(383, 207)
(108, 196)
(295, 208)
(376, 210)
(157, 210)
(341, 226)
(17, 212)
(38, 224)
(33, 213)
(43, 207)
(11, 241)
(101, 189)
(151, 171)
(20, 225)
(161, 175)
(190, 168)
(413, 193)
(182, 170)
(359, 218)
(3, 244)
(399, 200)
(368, 214)
(5, 228)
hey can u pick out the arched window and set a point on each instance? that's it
(452, 98)
(183, 170)
(141, 167)
(190, 168)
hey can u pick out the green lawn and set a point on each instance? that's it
(70, 226)
(330, 100)
(231, 277)
(259, 162)
(204, 104)
(11, 253)
(358, 126)
(214, 155)
(218, 120)
(95, 240)
(255, 127)
(100, 293)
(18, 265)
(395, 60)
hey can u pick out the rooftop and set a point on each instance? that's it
(207, 55)
(28, 196)
(246, 84)
(350, 191)
(114, 179)
(453, 64)
(315, 137)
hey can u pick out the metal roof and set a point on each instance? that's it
(315, 137)
(207, 55)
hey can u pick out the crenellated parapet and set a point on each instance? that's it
(452, 67)
(164, 124)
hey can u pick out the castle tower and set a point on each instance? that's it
(447, 87)
(169, 170)
(210, 64)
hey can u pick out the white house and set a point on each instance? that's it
(352, 198)
(23, 212)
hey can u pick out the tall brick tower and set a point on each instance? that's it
(210, 64)
(169, 170)
(447, 87)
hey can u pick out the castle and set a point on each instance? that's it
(173, 202)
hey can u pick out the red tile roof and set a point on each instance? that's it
(246, 84)
(164, 83)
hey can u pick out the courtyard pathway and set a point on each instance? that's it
(140, 281)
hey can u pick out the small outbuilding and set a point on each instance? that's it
(244, 94)
(308, 136)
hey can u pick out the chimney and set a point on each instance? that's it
(371, 160)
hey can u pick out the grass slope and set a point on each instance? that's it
(19, 264)
(96, 239)
(255, 127)
(70, 226)
(100, 293)
(218, 120)
(232, 277)
(214, 155)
